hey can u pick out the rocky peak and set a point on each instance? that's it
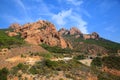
(40, 32)
(74, 31)
(63, 31)
(15, 26)
(93, 35)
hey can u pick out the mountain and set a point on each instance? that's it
(37, 51)
(39, 32)
(89, 43)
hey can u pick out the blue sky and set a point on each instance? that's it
(101, 16)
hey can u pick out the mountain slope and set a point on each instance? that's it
(89, 43)
(7, 41)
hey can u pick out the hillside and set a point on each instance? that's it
(7, 41)
(89, 43)
(37, 51)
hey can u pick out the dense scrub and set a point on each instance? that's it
(97, 62)
(56, 49)
(3, 74)
(111, 62)
(109, 45)
(6, 41)
(107, 76)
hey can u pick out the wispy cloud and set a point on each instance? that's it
(20, 3)
(11, 19)
(75, 2)
(66, 17)
(61, 16)
(24, 9)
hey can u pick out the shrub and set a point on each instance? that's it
(112, 62)
(56, 49)
(3, 74)
(20, 66)
(6, 41)
(97, 62)
(79, 57)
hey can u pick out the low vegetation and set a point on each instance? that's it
(109, 45)
(6, 41)
(79, 57)
(20, 66)
(111, 62)
(56, 49)
(97, 62)
(3, 74)
(107, 76)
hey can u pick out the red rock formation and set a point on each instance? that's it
(94, 35)
(63, 31)
(15, 26)
(78, 33)
(11, 33)
(40, 32)
(74, 31)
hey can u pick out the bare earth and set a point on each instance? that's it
(87, 62)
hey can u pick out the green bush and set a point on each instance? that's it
(112, 62)
(79, 57)
(97, 62)
(33, 70)
(6, 41)
(3, 74)
(20, 66)
(51, 64)
(56, 49)
(107, 76)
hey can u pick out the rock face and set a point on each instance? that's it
(40, 32)
(94, 35)
(72, 31)
(75, 31)
(15, 26)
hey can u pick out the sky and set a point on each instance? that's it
(101, 16)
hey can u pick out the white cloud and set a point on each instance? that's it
(69, 17)
(60, 17)
(81, 24)
(75, 2)
(24, 9)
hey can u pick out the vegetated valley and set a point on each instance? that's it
(37, 51)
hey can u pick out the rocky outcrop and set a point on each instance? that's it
(40, 32)
(11, 34)
(77, 33)
(94, 35)
(72, 31)
(15, 26)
